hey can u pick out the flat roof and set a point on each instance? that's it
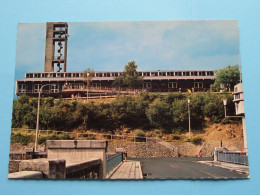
(113, 78)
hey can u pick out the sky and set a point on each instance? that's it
(154, 45)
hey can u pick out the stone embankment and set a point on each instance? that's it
(171, 149)
(160, 148)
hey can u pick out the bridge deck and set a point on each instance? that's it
(128, 170)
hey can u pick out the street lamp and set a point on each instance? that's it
(189, 116)
(38, 116)
(225, 106)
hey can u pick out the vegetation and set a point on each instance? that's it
(227, 77)
(196, 140)
(175, 137)
(129, 78)
(23, 139)
(61, 136)
(167, 113)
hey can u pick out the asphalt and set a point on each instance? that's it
(185, 168)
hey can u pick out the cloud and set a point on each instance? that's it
(30, 45)
(154, 45)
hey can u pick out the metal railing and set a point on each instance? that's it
(235, 157)
(78, 135)
(112, 161)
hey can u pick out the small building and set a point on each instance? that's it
(239, 99)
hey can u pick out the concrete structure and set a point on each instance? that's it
(56, 47)
(50, 168)
(76, 151)
(26, 175)
(67, 159)
(239, 99)
(240, 110)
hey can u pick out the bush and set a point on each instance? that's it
(225, 121)
(91, 137)
(157, 133)
(139, 133)
(175, 137)
(196, 140)
(61, 136)
(23, 139)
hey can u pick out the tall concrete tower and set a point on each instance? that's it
(56, 47)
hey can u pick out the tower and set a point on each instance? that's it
(56, 47)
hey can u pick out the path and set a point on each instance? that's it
(128, 170)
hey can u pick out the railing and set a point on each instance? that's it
(112, 161)
(76, 135)
(37, 91)
(84, 88)
(235, 157)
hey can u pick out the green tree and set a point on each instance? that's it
(130, 77)
(228, 77)
(159, 114)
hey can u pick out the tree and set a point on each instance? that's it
(228, 77)
(88, 75)
(160, 115)
(130, 77)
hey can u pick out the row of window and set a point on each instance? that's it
(116, 74)
(54, 88)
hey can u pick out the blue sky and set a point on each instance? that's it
(154, 45)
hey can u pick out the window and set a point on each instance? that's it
(198, 85)
(172, 85)
(29, 75)
(178, 73)
(22, 88)
(96, 85)
(67, 74)
(37, 87)
(147, 85)
(154, 74)
(37, 75)
(170, 73)
(162, 73)
(237, 96)
(55, 88)
(146, 74)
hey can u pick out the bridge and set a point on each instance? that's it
(84, 159)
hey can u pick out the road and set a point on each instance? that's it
(183, 168)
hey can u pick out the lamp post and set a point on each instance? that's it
(225, 106)
(38, 116)
(189, 117)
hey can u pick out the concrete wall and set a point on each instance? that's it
(170, 149)
(78, 150)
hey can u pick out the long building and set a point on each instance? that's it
(57, 82)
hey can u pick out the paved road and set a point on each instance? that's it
(184, 168)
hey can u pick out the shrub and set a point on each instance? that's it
(139, 133)
(157, 133)
(196, 140)
(175, 137)
(225, 121)
(23, 139)
(61, 136)
(90, 137)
